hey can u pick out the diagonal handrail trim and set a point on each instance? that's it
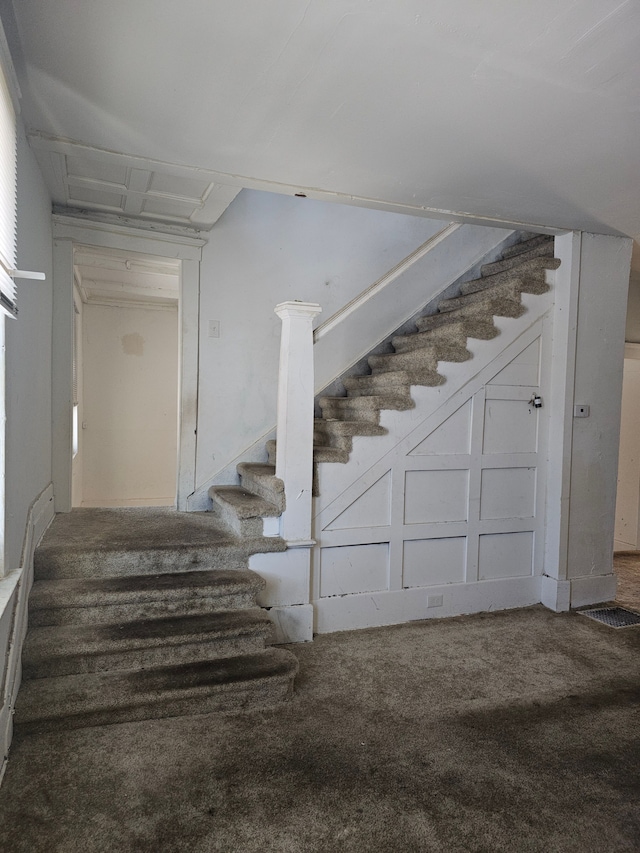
(386, 279)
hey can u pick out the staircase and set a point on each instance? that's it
(144, 613)
(440, 337)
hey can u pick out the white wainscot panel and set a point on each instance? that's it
(371, 509)
(505, 555)
(354, 568)
(427, 562)
(523, 370)
(451, 437)
(510, 426)
(432, 496)
(508, 493)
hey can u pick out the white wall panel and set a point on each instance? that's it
(451, 437)
(505, 555)
(371, 509)
(523, 370)
(432, 496)
(353, 569)
(508, 493)
(510, 426)
(427, 562)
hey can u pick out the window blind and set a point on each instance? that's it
(7, 200)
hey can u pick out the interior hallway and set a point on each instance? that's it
(515, 731)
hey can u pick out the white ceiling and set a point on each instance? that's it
(520, 110)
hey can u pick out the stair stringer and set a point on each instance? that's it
(384, 599)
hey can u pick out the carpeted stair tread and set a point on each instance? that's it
(543, 249)
(388, 382)
(241, 509)
(423, 358)
(500, 299)
(479, 326)
(246, 504)
(64, 650)
(260, 478)
(452, 337)
(366, 408)
(239, 683)
(348, 428)
(77, 601)
(526, 246)
(322, 453)
(532, 269)
(110, 550)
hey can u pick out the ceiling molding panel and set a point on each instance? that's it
(86, 178)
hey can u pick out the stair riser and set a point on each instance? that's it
(338, 442)
(346, 413)
(268, 488)
(419, 359)
(251, 527)
(378, 384)
(258, 695)
(330, 454)
(190, 651)
(365, 407)
(137, 611)
(447, 340)
(498, 306)
(518, 248)
(475, 327)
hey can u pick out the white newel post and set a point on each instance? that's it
(294, 457)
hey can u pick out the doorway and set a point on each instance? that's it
(185, 249)
(126, 364)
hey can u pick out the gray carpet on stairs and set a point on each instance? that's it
(514, 732)
(144, 613)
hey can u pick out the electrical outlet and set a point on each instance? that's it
(581, 411)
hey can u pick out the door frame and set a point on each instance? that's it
(68, 232)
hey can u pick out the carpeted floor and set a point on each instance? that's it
(517, 731)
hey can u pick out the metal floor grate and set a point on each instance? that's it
(614, 617)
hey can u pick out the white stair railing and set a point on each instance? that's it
(294, 434)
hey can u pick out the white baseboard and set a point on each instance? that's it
(375, 609)
(14, 594)
(593, 590)
(555, 594)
